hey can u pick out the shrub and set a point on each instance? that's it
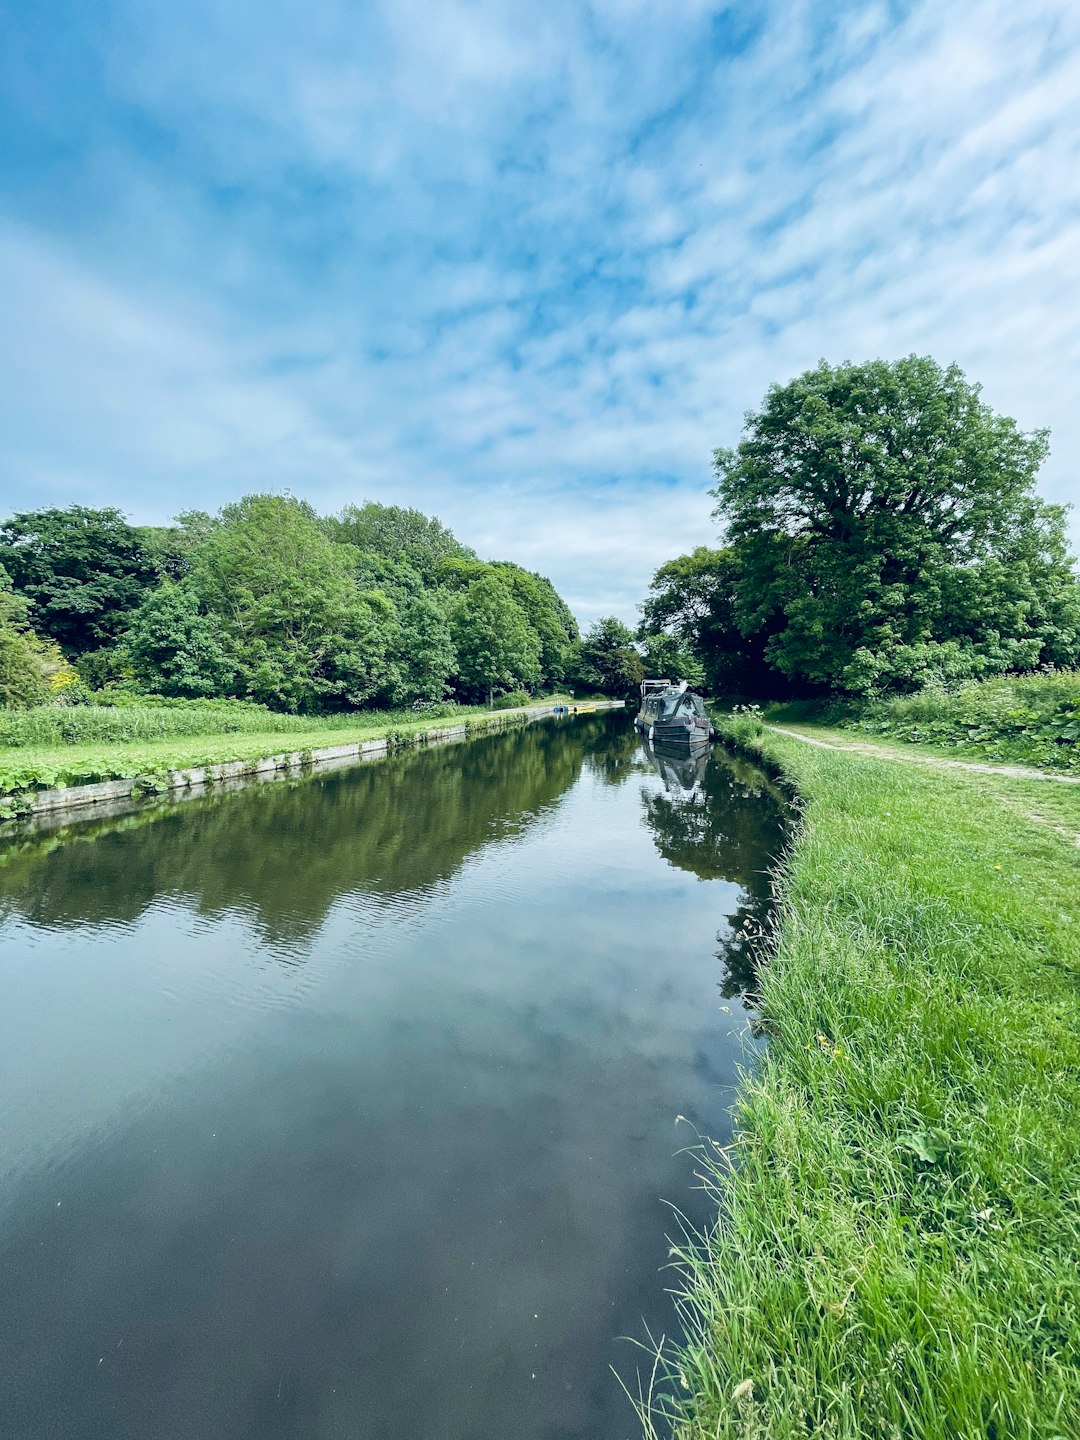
(511, 700)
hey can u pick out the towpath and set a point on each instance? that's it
(910, 756)
(1056, 810)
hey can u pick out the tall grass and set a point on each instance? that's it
(147, 719)
(896, 1254)
(1030, 718)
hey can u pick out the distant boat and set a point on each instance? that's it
(672, 716)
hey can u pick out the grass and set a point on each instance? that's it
(900, 1212)
(1010, 719)
(138, 741)
(149, 718)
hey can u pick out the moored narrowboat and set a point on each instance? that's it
(673, 716)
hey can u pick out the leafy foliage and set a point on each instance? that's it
(694, 599)
(402, 535)
(170, 648)
(81, 571)
(665, 657)
(547, 614)
(425, 647)
(606, 659)
(887, 531)
(496, 647)
(269, 602)
(294, 626)
(1031, 719)
(30, 668)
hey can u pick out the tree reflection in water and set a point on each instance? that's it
(282, 854)
(721, 819)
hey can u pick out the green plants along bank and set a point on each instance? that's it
(900, 1212)
(1029, 719)
(1026, 719)
(28, 769)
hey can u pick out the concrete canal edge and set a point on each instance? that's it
(71, 797)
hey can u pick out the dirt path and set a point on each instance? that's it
(884, 752)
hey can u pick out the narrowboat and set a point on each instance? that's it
(673, 716)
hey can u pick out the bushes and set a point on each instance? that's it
(511, 700)
(1027, 718)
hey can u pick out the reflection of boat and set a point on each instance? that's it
(680, 769)
(671, 715)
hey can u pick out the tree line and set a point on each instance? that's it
(270, 602)
(881, 532)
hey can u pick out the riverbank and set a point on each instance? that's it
(900, 1220)
(39, 779)
(1023, 720)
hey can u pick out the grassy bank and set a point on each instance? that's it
(897, 1250)
(1010, 719)
(121, 743)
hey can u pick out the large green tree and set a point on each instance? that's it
(887, 530)
(607, 660)
(296, 629)
(497, 648)
(425, 654)
(81, 571)
(171, 648)
(693, 598)
(547, 614)
(396, 533)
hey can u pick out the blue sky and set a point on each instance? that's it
(521, 265)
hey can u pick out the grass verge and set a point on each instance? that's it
(28, 768)
(900, 1213)
(1009, 719)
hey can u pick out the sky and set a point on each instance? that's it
(521, 265)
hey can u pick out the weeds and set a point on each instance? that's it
(1033, 719)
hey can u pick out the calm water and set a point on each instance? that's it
(347, 1107)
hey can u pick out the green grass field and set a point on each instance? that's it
(896, 1255)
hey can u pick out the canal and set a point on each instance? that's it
(345, 1108)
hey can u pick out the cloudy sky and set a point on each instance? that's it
(520, 264)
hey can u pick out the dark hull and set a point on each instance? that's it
(674, 737)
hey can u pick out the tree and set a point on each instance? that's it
(170, 547)
(81, 571)
(666, 657)
(293, 624)
(693, 599)
(496, 647)
(29, 666)
(398, 534)
(170, 648)
(547, 614)
(864, 501)
(606, 659)
(425, 650)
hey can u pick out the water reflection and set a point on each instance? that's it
(716, 817)
(411, 1183)
(282, 854)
